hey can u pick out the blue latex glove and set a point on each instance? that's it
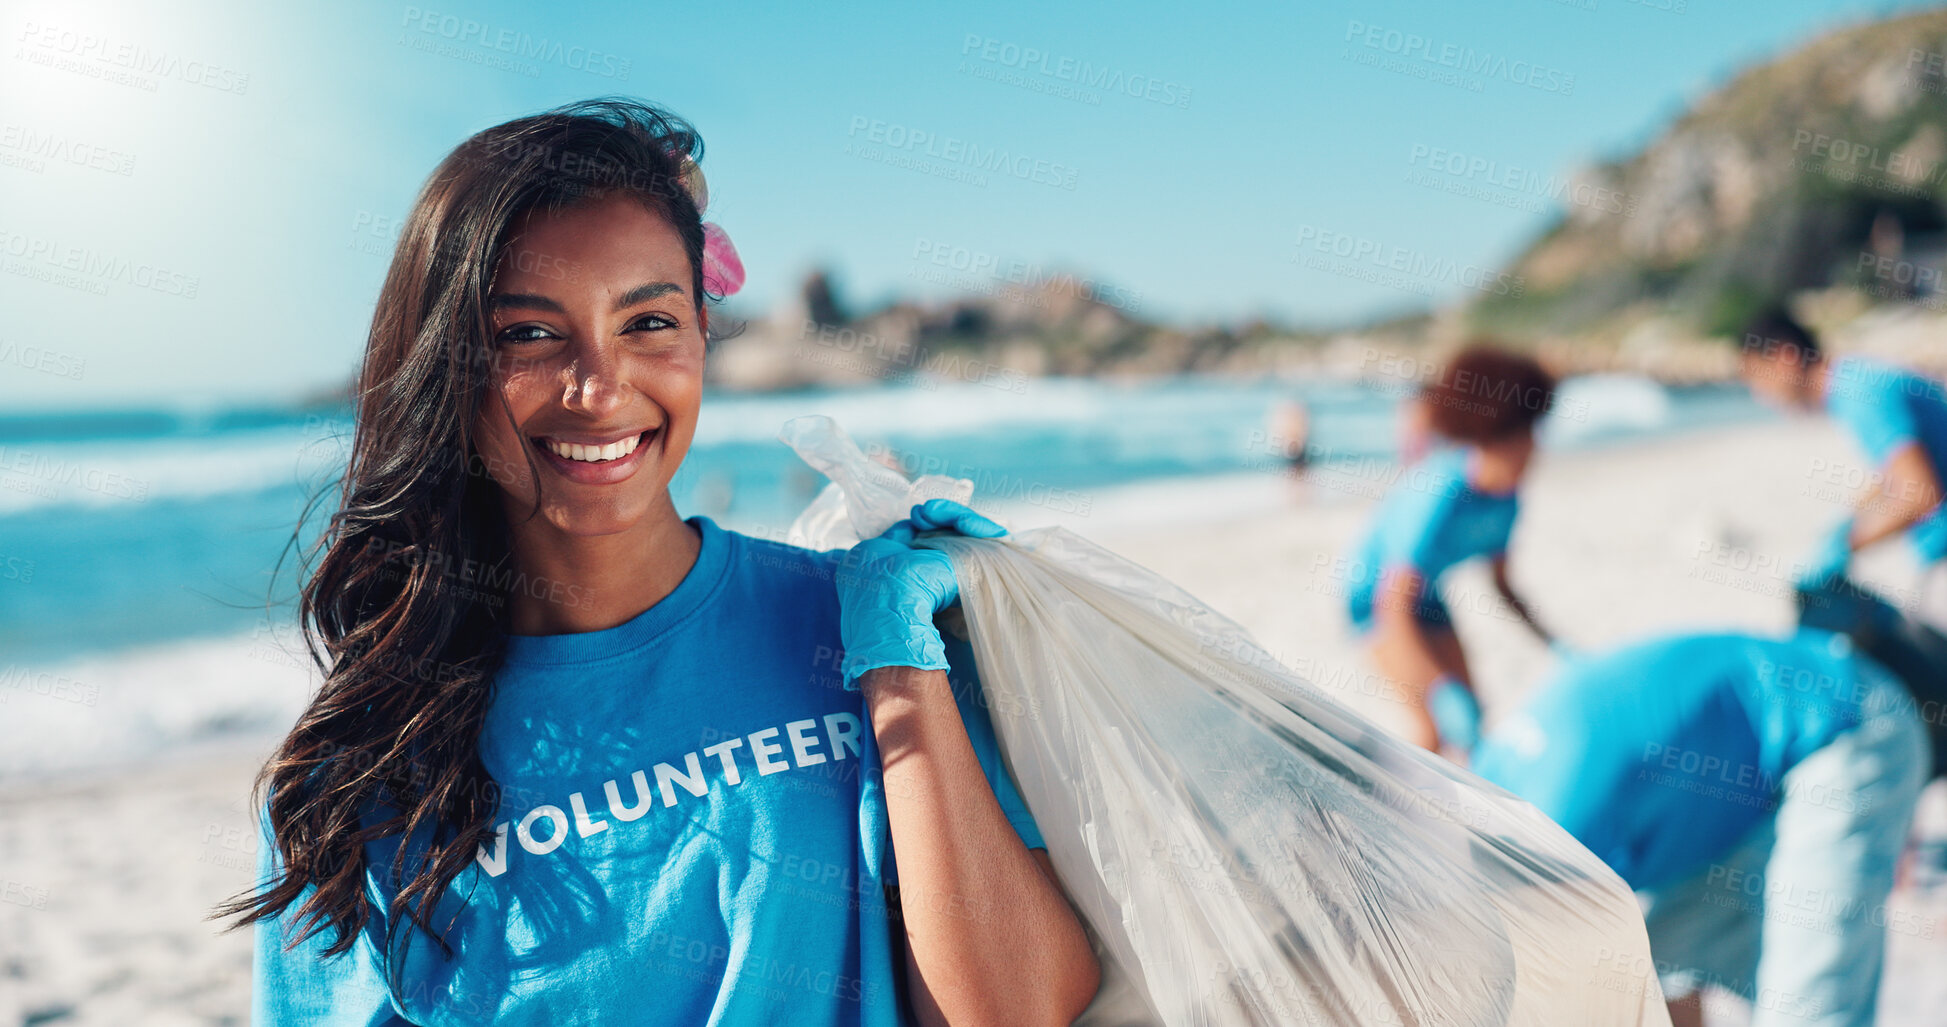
(1456, 713)
(888, 591)
(1828, 563)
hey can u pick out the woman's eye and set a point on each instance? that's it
(524, 333)
(651, 323)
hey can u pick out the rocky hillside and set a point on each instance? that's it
(1825, 167)
(999, 334)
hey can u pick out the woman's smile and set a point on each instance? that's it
(596, 458)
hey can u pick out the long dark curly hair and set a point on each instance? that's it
(405, 604)
(1488, 392)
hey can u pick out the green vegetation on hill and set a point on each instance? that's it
(1827, 166)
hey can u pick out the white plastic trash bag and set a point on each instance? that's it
(1243, 848)
(861, 492)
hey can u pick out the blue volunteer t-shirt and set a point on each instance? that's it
(1430, 521)
(1886, 407)
(691, 831)
(1660, 756)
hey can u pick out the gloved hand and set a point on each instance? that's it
(888, 591)
(1829, 561)
(1456, 713)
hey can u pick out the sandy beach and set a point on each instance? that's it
(105, 878)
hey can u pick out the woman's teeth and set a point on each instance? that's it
(594, 454)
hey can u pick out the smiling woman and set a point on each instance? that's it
(531, 385)
(598, 378)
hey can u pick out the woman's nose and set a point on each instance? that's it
(594, 384)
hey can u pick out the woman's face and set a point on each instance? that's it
(1777, 381)
(598, 352)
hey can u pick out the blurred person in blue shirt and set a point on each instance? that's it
(1898, 420)
(1756, 793)
(1455, 504)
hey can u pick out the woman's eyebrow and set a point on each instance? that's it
(524, 301)
(646, 291)
(532, 301)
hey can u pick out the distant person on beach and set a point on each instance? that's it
(1290, 432)
(1756, 793)
(1455, 504)
(1897, 418)
(576, 758)
(1416, 437)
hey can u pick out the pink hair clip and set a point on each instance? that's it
(723, 270)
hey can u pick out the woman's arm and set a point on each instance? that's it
(294, 984)
(1908, 490)
(1499, 564)
(1410, 655)
(991, 939)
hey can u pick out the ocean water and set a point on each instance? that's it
(140, 551)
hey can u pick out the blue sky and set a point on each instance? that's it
(221, 180)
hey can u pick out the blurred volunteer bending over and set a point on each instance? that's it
(1756, 792)
(1896, 417)
(576, 758)
(1453, 505)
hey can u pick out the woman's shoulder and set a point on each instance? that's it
(769, 557)
(1428, 487)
